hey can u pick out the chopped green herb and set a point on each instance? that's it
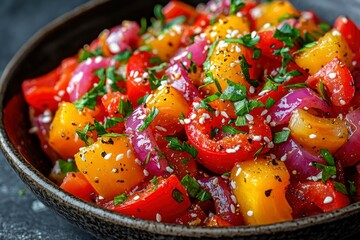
(123, 56)
(177, 195)
(99, 128)
(159, 14)
(156, 82)
(246, 40)
(175, 21)
(155, 60)
(120, 198)
(352, 188)
(270, 85)
(235, 6)
(89, 98)
(204, 103)
(176, 145)
(110, 122)
(240, 121)
(287, 16)
(189, 55)
(142, 99)
(231, 130)
(191, 185)
(83, 134)
(327, 171)
(257, 153)
(282, 136)
(297, 85)
(340, 187)
(323, 93)
(125, 108)
(327, 157)
(21, 192)
(207, 63)
(85, 54)
(149, 118)
(143, 28)
(203, 195)
(114, 78)
(154, 181)
(185, 160)
(114, 135)
(209, 79)
(245, 70)
(147, 159)
(305, 47)
(66, 167)
(226, 174)
(145, 48)
(324, 27)
(214, 132)
(269, 102)
(234, 92)
(287, 34)
(241, 107)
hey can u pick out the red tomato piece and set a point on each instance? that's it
(136, 84)
(220, 155)
(156, 203)
(177, 8)
(216, 221)
(337, 78)
(195, 216)
(46, 91)
(76, 184)
(310, 198)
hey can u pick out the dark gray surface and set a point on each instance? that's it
(23, 216)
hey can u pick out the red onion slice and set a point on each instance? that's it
(144, 143)
(83, 77)
(349, 153)
(298, 160)
(225, 201)
(197, 50)
(281, 112)
(123, 37)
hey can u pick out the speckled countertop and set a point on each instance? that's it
(22, 216)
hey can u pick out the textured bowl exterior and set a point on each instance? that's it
(63, 38)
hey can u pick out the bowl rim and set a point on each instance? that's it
(27, 171)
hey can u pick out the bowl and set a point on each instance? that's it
(62, 38)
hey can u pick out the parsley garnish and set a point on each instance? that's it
(123, 56)
(204, 103)
(287, 34)
(231, 130)
(323, 93)
(149, 118)
(269, 102)
(287, 16)
(340, 187)
(328, 171)
(66, 167)
(207, 63)
(120, 198)
(235, 6)
(193, 188)
(83, 134)
(85, 54)
(155, 182)
(324, 27)
(176, 145)
(257, 153)
(177, 195)
(296, 85)
(143, 24)
(142, 99)
(175, 21)
(249, 42)
(114, 78)
(100, 129)
(240, 121)
(245, 70)
(305, 47)
(282, 136)
(89, 98)
(110, 122)
(234, 92)
(159, 14)
(125, 108)
(244, 106)
(209, 79)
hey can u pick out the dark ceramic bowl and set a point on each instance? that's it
(62, 38)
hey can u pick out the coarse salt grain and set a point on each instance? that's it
(250, 213)
(328, 199)
(312, 136)
(119, 157)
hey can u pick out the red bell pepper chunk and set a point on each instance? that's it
(310, 198)
(163, 203)
(350, 32)
(338, 81)
(176, 8)
(76, 184)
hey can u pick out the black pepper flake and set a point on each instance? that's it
(268, 192)
(120, 181)
(103, 154)
(110, 141)
(278, 178)
(274, 162)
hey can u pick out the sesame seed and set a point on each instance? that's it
(232, 64)
(107, 156)
(161, 128)
(232, 208)
(114, 48)
(146, 173)
(114, 170)
(233, 198)
(270, 145)
(272, 124)
(257, 138)
(249, 117)
(265, 111)
(266, 139)
(283, 157)
(328, 199)
(251, 89)
(268, 118)
(237, 49)
(186, 121)
(119, 157)
(169, 169)
(342, 102)
(250, 213)
(272, 156)
(128, 152)
(230, 150)
(101, 197)
(33, 129)
(138, 79)
(215, 181)
(332, 75)
(253, 34)
(192, 116)
(336, 33)
(238, 171)
(98, 59)
(136, 197)
(158, 217)
(233, 184)
(224, 114)
(201, 120)
(312, 136)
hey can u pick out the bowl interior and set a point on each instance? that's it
(63, 38)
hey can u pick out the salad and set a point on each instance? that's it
(231, 113)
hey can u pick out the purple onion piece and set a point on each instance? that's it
(123, 37)
(144, 143)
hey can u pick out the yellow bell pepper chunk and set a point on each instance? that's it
(331, 45)
(315, 133)
(109, 165)
(259, 187)
(62, 136)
